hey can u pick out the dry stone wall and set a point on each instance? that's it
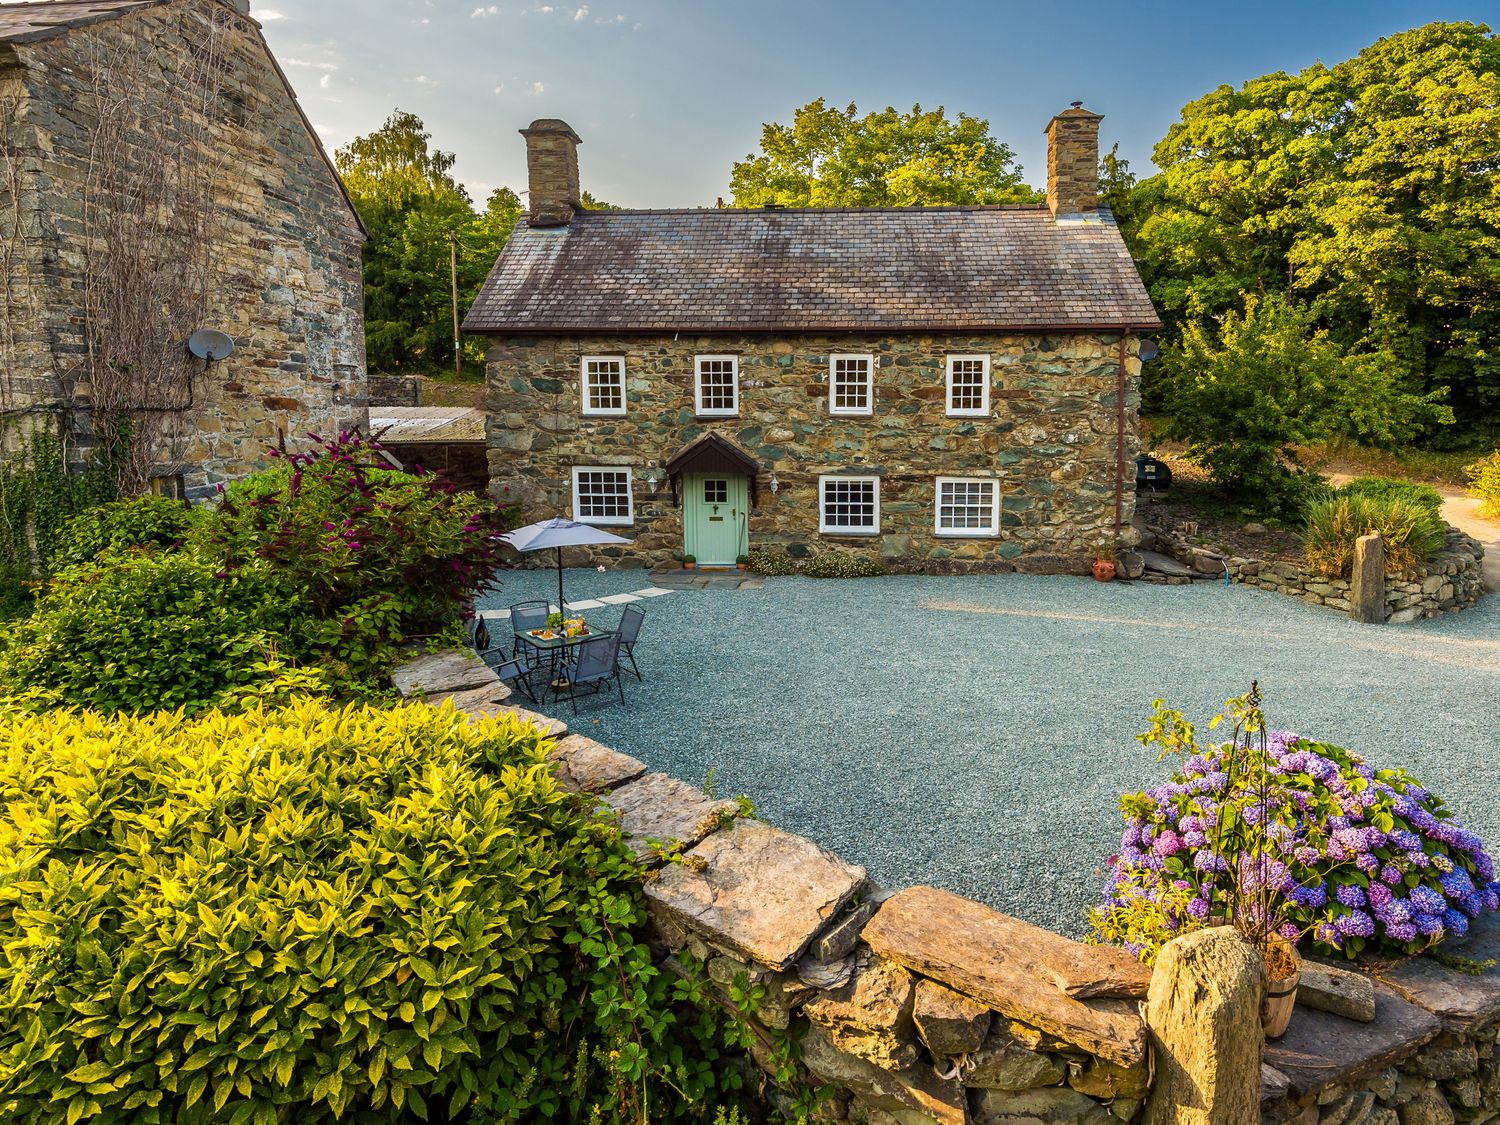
(1449, 581)
(1050, 438)
(286, 274)
(919, 1006)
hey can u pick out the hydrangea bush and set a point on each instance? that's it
(1328, 851)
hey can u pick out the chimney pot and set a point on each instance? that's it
(1073, 162)
(552, 173)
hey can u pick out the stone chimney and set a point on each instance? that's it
(1073, 162)
(552, 172)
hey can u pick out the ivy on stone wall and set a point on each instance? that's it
(38, 496)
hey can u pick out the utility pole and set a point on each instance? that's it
(458, 355)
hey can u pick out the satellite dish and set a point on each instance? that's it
(209, 344)
(1149, 350)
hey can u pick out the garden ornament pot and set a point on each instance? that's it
(1104, 569)
(1283, 971)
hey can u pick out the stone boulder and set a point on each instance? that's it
(870, 1017)
(949, 1023)
(436, 673)
(1054, 1105)
(1204, 1015)
(1005, 1062)
(751, 888)
(912, 1095)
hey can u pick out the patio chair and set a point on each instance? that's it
(525, 616)
(596, 662)
(517, 672)
(630, 629)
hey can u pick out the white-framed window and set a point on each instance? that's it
(601, 494)
(716, 390)
(968, 385)
(851, 384)
(604, 384)
(849, 505)
(967, 506)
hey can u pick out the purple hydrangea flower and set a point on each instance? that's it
(1457, 922)
(1355, 924)
(1401, 931)
(1379, 894)
(1350, 895)
(1427, 901)
(1429, 924)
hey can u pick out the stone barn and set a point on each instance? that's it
(158, 178)
(944, 388)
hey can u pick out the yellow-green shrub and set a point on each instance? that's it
(1484, 483)
(312, 914)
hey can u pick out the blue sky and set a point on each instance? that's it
(667, 94)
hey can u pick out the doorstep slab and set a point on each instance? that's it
(1320, 1049)
(618, 599)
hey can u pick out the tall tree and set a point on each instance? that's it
(1369, 190)
(406, 193)
(830, 157)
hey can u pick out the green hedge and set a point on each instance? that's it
(144, 521)
(313, 914)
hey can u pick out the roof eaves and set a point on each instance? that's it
(59, 29)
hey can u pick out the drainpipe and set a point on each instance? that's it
(1120, 438)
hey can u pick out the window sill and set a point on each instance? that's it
(967, 534)
(848, 533)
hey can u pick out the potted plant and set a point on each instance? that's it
(555, 620)
(742, 562)
(1104, 562)
(689, 562)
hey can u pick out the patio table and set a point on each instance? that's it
(554, 651)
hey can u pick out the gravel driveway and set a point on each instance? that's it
(975, 732)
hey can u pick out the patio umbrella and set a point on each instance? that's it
(555, 535)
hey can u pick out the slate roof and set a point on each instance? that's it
(28, 22)
(1009, 268)
(411, 425)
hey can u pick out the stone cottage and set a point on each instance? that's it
(946, 388)
(157, 178)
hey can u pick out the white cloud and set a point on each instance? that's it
(545, 10)
(481, 12)
(500, 89)
(328, 66)
(607, 21)
(325, 80)
(537, 88)
(267, 15)
(581, 14)
(423, 80)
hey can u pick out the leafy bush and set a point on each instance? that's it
(144, 521)
(145, 631)
(771, 563)
(1484, 483)
(1246, 390)
(315, 914)
(1411, 532)
(1293, 838)
(375, 556)
(839, 564)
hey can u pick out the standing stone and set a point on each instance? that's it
(1203, 1014)
(1367, 581)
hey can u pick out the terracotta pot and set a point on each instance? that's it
(689, 566)
(1284, 970)
(1104, 569)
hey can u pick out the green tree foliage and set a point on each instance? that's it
(1370, 190)
(1247, 390)
(407, 196)
(830, 157)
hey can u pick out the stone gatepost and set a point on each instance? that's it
(1203, 1015)
(1367, 581)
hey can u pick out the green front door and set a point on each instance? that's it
(715, 517)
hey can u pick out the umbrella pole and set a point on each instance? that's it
(559, 582)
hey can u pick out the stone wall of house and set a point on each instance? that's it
(919, 1006)
(1050, 438)
(1451, 580)
(285, 247)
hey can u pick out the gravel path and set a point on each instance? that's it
(975, 733)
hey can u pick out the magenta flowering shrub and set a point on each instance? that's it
(1350, 859)
(375, 556)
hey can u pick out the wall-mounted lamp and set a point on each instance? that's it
(652, 477)
(775, 484)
